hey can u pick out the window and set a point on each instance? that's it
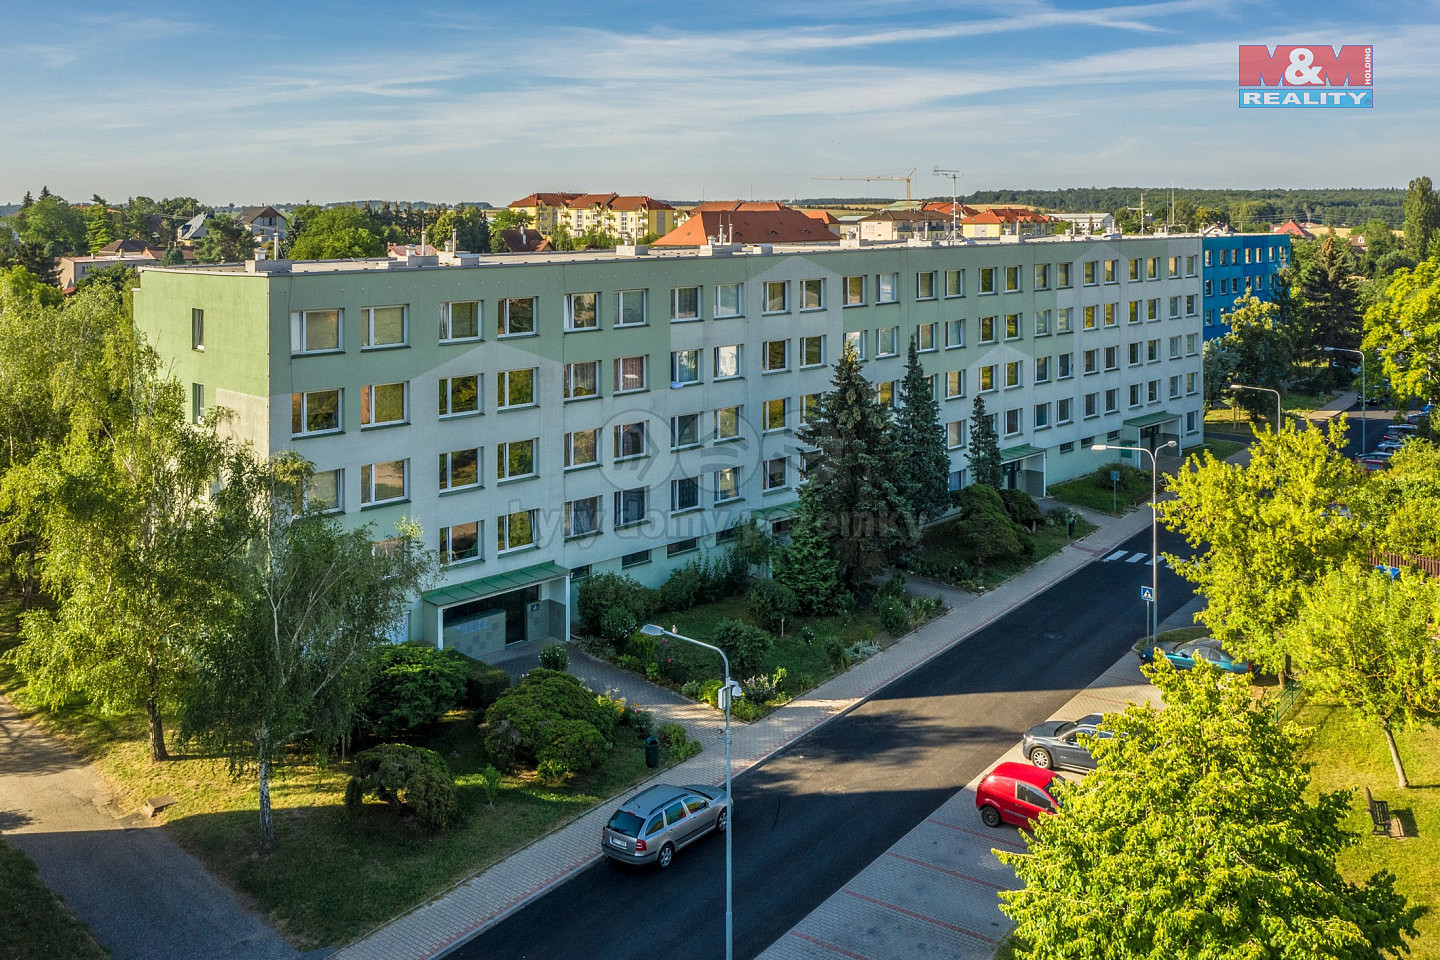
(582, 517)
(728, 300)
(324, 490)
(1062, 410)
(315, 412)
(1064, 319)
(460, 320)
(925, 285)
(1012, 373)
(685, 430)
(314, 331)
(1175, 266)
(517, 316)
(776, 474)
(1209, 317)
(459, 395)
(1092, 401)
(727, 484)
(1135, 268)
(987, 279)
(855, 340)
(886, 341)
(925, 337)
(727, 423)
(581, 312)
(1192, 303)
(1174, 307)
(685, 303)
(197, 329)
(630, 308)
(1089, 323)
(1192, 344)
(954, 334)
(1012, 326)
(887, 288)
(383, 327)
(582, 448)
(809, 407)
(1042, 323)
(1012, 422)
(1042, 369)
(197, 403)
(515, 459)
(1175, 348)
(1135, 395)
(987, 378)
(1152, 309)
(1112, 400)
(684, 494)
(1209, 287)
(460, 541)
(1134, 311)
(1152, 350)
(1092, 272)
(515, 530)
(775, 355)
(684, 367)
(1192, 422)
(1174, 387)
(1091, 360)
(1012, 279)
(582, 380)
(1062, 275)
(630, 374)
(954, 283)
(776, 414)
(1042, 276)
(727, 361)
(1111, 274)
(1110, 314)
(383, 403)
(1152, 269)
(812, 294)
(955, 434)
(854, 291)
(1064, 366)
(460, 469)
(630, 440)
(383, 482)
(954, 384)
(1190, 382)
(775, 296)
(1112, 358)
(634, 559)
(987, 329)
(514, 388)
(1042, 416)
(1134, 353)
(812, 351)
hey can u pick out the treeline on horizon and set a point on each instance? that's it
(1336, 207)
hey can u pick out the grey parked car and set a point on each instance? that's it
(656, 822)
(1056, 743)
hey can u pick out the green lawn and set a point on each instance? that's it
(1097, 495)
(34, 924)
(1223, 449)
(940, 549)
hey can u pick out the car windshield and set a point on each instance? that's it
(1066, 727)
(626, 822)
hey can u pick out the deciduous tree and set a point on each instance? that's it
(1422, 217)
(337, 234)
(225, 241)
(1404, 328)
(1257, 352)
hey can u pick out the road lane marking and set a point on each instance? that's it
(1137, 558)
(1115, 556)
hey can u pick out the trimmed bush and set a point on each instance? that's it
(606, 602)
(484, 682)
(743, 644)
(415, 687)
(772, 603)
(518, 725)
(1021, 507)
(555, 657)
(894, 616)
(985, 530)
(570, 747)
(412, 780)
(672, 735)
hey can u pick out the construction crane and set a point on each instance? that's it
(954, 176)
(906, 178)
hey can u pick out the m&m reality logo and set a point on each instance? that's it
(1307, 76)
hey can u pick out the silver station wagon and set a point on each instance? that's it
(659, 820)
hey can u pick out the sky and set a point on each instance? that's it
(267, 102)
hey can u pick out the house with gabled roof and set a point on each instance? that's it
(628, 217)
(904, 225)
(264, 222)
(747, 226)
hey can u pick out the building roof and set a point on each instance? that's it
(784, 225)
(133, 245)
(907, 216)
(401, 250)
(824, 216)
(1294, 229)
(250, 214)
(737, 205)
(544, 199)
(528, 240)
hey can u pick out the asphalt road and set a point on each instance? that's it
(812, 816)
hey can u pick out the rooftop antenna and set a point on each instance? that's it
(1141, 208)
(954, 175)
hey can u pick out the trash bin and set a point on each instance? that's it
(652, 752)
(1070, 526)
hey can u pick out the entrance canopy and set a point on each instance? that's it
(499, 583)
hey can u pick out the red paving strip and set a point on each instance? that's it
(953, 873)
(828, 946)
(921, 917)
(1017, 847)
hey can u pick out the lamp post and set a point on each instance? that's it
(1154, 526)
(1278, 414)
(1364, 394)
(731, 689)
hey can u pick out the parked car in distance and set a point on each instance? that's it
(1017, 794)
(1390, 446)
(656, 822)
(1401, 431)
(1371, 464)
(1056, 743)
(1182, 654)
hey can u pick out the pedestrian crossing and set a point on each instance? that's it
(1128, 557)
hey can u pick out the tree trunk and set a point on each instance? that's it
(157, 731)
(1400, 779)
(267, 818)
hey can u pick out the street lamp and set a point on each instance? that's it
(1364, 395)
(731, 689)
(1154, 525)
(1278, 414)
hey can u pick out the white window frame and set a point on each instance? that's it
(446, 481)
(367, 405)
(446, 396)
(367, 323)
(447, 321)
(367, 483)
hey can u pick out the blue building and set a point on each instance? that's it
(1236, 265)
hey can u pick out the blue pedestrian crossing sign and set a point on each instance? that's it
(1147, 594)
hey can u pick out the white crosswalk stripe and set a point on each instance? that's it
(1116, 555)
(1137, 558)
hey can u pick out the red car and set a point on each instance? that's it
(1017, 794)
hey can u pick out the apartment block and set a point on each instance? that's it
(1239, 265)
(547, 416)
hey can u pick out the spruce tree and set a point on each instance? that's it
(805, 564)
(984, 447)
(860, 510)
(1329, 314)
(922, 461)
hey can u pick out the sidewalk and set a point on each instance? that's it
(447, 921)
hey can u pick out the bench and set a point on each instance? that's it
(155, 804)
(1380, 816)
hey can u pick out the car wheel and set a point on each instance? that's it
(722, 821)
(990, 816)
(667, 853)
(1041, 758)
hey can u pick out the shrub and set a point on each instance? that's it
(747, 710)
(743, 644)
(672, 735)
(555, 657)
(1021, 507)
(570, 746)
(602, 599)
(894, 616)
(517, 725)
(412, 780)
(772, 603)
(835, 652)
(617, 626)
(700, 580)
(490, 780)
(415, 687)
(759, 688)
(484, 682)
(710, 692)
(985, 530)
